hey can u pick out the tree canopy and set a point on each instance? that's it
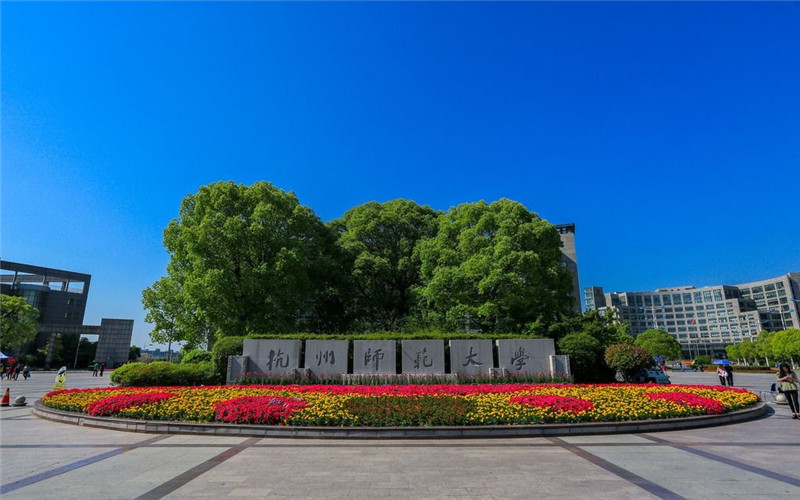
(494, 268)
(380, 240)
(252, 260)
(246, 259)
(769, 347)
(659, 343)
(18, 323)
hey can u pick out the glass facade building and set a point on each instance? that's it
(60, 297)
(705, 320)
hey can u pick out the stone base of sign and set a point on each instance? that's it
(493, 431)
(237, 366)
(559, 365)
(399, 378)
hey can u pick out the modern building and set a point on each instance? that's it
(61, 296)
(705, 320)
(570, 258)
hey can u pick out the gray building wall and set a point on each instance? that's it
(704, 320)
(570, 258)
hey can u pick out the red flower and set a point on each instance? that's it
(257, 409)
(115, 404)
(555, 403)
(711, 406)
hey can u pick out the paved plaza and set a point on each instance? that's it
(42, 459)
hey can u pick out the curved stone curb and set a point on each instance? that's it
(493, 431)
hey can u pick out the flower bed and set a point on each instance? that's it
(405, 405)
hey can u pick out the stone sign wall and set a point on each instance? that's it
(271, 356)
(328, 358)
(471, 357)
(421, 357)
(525, 356)
(376, 357)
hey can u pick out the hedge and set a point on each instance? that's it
(161, 373)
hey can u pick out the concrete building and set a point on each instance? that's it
(570, 259)
(61, 296)
(705, 320)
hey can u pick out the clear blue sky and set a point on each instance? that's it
(668, 132)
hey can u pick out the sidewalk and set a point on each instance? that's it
(42, 459)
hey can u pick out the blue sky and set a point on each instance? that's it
(668, 132)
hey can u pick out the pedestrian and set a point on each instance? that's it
(11, 372)
(26, 372)
(729, 375)
(102, 368)
(722, 375)
(788, 386)
(95, 367)
(2, 370)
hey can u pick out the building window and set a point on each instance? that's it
(717, 296)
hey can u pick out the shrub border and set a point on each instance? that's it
(488, 431)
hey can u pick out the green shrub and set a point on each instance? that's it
(584, 352)
(195, 356)
(163, 373)
(428, 335)
(703, 359)
(627, 358)
(224, 347)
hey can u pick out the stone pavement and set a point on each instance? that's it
(42, 459)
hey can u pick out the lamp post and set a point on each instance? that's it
(77, 349)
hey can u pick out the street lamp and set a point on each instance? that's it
(75, 363)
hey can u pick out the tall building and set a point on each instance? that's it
(61, 296)
(705, 320)
(570, 258)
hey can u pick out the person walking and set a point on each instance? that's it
(729, 375)
(11, 371)
(95, 367)
(723, 376)
(788, 386)
(102, 368)
(26, 372)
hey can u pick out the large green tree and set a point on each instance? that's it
(573, 334)
(494, 268)
(379, 240)
(18, 322)
(249, 259)
(659, 343)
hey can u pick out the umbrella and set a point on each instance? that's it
(722, 362)
(3, 356)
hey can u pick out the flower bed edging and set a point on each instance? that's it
(541, 430)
